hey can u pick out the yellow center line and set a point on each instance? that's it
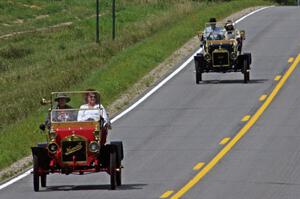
(166, 194)
(198, 166)
(277, 78)
(291, 59)
(246, 118)
(263, 97)
(224, 140)
(239, 135)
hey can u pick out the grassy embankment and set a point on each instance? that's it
(22, 15)
(32, 65)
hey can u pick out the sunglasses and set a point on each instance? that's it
(92, 96)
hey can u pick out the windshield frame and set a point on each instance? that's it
(73, 112)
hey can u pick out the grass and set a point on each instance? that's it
(18, 15)
(69, 60)
(64, 54)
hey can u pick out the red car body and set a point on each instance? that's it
(76, 147)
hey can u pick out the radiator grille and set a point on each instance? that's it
(74, 148)
(220, 59)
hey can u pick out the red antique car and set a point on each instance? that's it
(74, 145)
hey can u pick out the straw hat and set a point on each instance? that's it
(62, 96)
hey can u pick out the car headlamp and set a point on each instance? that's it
(207, 56)
(94, 147)
(233, 55)
(52, 147)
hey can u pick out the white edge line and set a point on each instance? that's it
(153, 90)
(23, 175)
(251, 13)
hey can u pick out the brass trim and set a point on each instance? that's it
(219, 42)
(71, 138)
(75, 124)
(73, 92)
(97, 135)
(73, 149)
(97, 149)
(52, 135)
(49, 149)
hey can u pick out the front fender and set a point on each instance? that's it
(42, 155)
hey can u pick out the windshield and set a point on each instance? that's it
(75, 106)
(214, 31)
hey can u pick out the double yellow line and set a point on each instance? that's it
(240, 134)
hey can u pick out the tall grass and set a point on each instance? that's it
(69, 60)
(55, 60)
(18, 15)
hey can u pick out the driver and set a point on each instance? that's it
(213, 32)
(61, 114)
(93, 110)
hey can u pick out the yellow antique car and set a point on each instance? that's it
(222, 53)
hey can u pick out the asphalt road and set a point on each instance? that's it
(183, 123)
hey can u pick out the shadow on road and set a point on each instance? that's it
(252, 81)
(92, 187)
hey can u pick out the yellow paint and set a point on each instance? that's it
(263, 97)
(224, 140)
(291, 59)
(246, 118)
(277, 78)
(198, 166)
(166, 194)
(239, 135)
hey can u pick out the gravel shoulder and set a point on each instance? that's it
(134, 93)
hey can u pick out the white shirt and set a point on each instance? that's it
(87, 113)
(233, 34)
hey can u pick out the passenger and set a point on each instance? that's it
(93, 110)
(213, 32)
(232, 33)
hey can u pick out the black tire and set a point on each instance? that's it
(119, 177)
(43, 180)
(112, 169)
(199, 59)
(36, 177)
(198, 77)
(246, 77)
(246, 71)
